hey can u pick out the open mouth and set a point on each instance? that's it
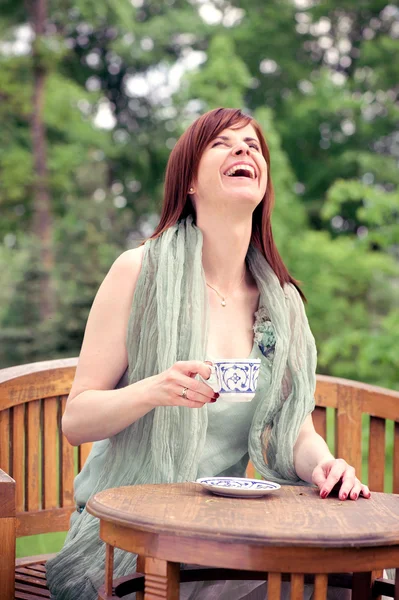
(241, 171)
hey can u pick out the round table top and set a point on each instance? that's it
(293, 515)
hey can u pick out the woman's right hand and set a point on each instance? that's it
(166, 389)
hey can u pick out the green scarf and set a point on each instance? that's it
(169, 322)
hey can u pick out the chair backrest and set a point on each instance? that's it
(33, 450)
(36, 454)
(366, 423)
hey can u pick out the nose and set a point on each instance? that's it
(241, 148)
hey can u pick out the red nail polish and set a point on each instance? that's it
(216, 395)
(323, 494)
(213, 399)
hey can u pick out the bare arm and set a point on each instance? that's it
(95, 410)
(310, 450)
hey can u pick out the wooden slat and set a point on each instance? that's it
(109, 568)
(274, 585)
(36, 590)
(320, 421)
(320, 587)
(349, 427)
(140, 568)
(376, 455)
(32, 463)
(7, 557)
(36, 575)
(19, 595)
(396, 462)
(5, 441)
(44, 521)
(35, 381)
(33, 562)
(18, 455)
(83, 452)
(67, 472)
(49, 457)
(297, 586)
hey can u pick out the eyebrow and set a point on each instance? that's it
(246, 139)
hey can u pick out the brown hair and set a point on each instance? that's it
(182, 169)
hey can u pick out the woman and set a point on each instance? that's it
(211, 268)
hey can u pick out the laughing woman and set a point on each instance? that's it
(164, 309)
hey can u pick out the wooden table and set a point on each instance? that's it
(289, 531)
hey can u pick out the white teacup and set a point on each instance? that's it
(234, 378)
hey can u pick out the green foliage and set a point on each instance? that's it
(223, 79)
(329, 126)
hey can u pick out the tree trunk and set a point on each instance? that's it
(42, 214)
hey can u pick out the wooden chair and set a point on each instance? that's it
(38, 465)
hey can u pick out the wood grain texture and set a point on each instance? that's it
(32, 468)
(297, 586)
(274, 585)
(162, 580)
(44, 521)
(349, 426)
(290, 516)
(249, 557)
(7, 495)
(49, 457)
(109, 568)
(66, 462)
(140, 568)
(320, 587)
(18, 455)
(34, 381)
(5, 442)
(376, 470)
(7, 557)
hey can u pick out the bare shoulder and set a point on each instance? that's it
(130, 260)
(103, 356)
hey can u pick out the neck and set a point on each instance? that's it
(224, 250)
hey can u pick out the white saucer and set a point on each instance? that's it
(238, 487)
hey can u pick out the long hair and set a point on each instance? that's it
(182, 169)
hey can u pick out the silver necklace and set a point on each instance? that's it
(224, 298)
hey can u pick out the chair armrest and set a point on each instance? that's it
(7, 536)
(7, 495)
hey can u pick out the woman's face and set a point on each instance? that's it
(232, 171)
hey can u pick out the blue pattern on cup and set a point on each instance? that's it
(238, 377)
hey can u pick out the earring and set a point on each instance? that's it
(191, 190)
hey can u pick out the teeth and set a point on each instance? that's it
(243, 167)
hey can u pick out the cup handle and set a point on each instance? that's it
(213, 380)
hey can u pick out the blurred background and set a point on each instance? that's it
(94, 95)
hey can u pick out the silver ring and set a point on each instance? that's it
(184, 393)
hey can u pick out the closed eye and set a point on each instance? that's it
(250, 145)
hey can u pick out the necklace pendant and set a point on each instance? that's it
(223, 302)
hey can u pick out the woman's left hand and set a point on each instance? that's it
(336, 473)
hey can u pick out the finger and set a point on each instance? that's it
(202, 391)
(190, 368)
(365, 492)
(355, 490)
(189, 400)
(333, 478)
(318, 477)
(348, 483)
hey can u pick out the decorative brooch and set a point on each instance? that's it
(265, 335)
